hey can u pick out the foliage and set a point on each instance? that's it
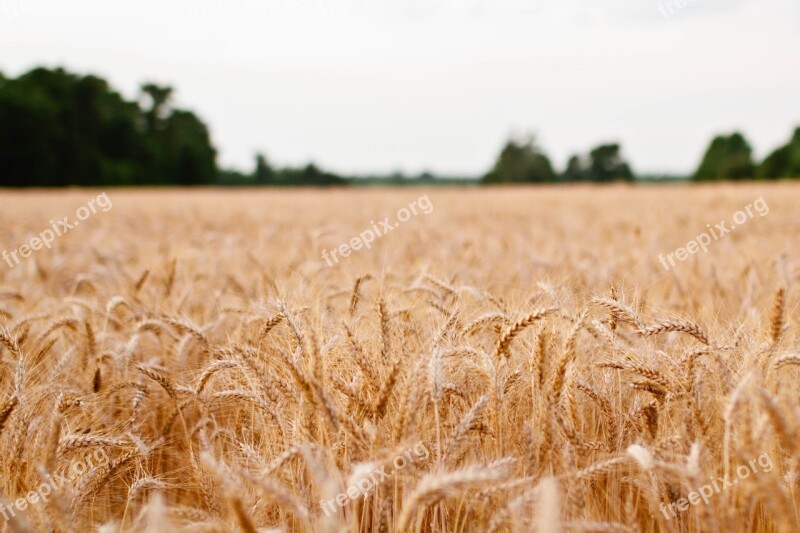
(521, 161)
(64, 129)
(727, 158)
(607, 164)
(264, 173)
(784, 162)
(576, 169)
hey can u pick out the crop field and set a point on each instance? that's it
(608, 359)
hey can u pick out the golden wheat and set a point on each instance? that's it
(501, 364)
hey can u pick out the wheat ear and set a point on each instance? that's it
(516, 328)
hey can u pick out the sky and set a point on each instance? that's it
(362, 86)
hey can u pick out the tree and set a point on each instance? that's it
(727, 158)
(309, 175)
(784, 162)
(187, 156)
(263, 173)
(576, 169)
(159, 97)
(521, 161)
(775, 165)
(178, 142)
(66, 129)
(794, 155)
(607, 164)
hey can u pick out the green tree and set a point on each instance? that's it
(187, 155)
(576, 169)
(308, 175)
(65, 129)
(794, 155)
(159, 98)
(521, 161)
(775, 165)
(179, 144)
(784, 162)
(727, 158)
(263, 173)
(607, 164)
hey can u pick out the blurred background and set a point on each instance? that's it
(335, 92)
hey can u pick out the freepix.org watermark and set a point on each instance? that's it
(367, 483)
(57, 229)
(704, 493)
(670, 7)
(367, 237)
(702, 241)
(54, 483)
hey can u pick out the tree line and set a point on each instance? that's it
(522, 160)
(727, 158)
(61, 129)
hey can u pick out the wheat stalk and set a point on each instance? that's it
(517, 327)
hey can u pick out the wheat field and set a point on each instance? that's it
(515, 360)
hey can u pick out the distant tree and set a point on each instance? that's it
(159, 97)
(263, 173)
(794, 155)
(396, 177)
(607, 164)
(775, 165)
(65, 129)
(310, 175)
(521, 161)
(186, 152)
(576, 169)
(784, 162)
(727, 158)
(179, 145)
(232, 177)
(426, 177)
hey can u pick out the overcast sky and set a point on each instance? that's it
(383, 85)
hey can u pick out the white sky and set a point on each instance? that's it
(383, 85)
